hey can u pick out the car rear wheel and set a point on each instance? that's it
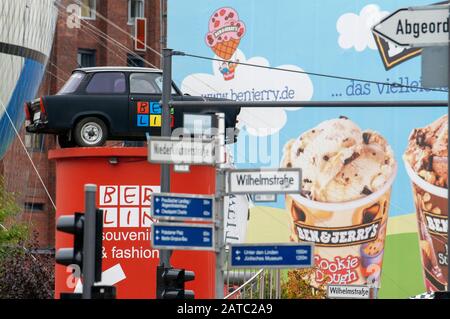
(90, 132)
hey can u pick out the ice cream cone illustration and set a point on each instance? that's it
(225, 32)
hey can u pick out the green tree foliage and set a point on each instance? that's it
(12, 231)
(24, 274)
(298, 285)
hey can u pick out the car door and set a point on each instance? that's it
(106, 96)
(145, 112)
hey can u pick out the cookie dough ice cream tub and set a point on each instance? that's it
(343, 207)
(426, 162)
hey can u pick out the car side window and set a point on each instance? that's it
(143, 83)
(107, 82)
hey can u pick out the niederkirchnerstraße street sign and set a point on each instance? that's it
(263, 181)
(169, 150)
(416, 26)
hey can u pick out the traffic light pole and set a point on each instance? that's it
(164, 255)
(90, 212)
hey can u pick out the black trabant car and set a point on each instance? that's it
(111, 103)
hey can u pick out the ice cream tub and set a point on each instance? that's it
(426, 162)
(348, 237)
(432, 217)
(344, 204)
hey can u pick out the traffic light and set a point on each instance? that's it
(170, 283)
(77, 226)
(71, 224)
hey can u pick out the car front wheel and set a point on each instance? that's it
(90, 132)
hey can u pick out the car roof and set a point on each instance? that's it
(117, 69)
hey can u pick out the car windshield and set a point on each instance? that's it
(72, 84)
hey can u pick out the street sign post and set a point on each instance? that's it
(182, 236)
(416, 26)
(284, 255)
(348, 292)
(183, 207)
(263, 181)
(435, 67)
(169, 150)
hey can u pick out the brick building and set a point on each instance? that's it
(102, 37)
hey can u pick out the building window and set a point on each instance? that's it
(135, 10)
(86, 58)
(33, 207)
(107, 82)
(88, 9)
(35, 142)
(135, 60)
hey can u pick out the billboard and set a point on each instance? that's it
(374, 197)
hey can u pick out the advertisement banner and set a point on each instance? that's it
(374, 179)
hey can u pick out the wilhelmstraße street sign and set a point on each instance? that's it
(169, 150)
(348, 292)
(285, 255)
(182, 236)
(416, 26)
(263, 181)
(182, 207)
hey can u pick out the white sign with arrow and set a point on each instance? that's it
(416, 26)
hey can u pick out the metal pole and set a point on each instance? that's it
(278, 284)
(220, 260)
(164, 255)
(219, 204)
(89, 240)
(275, 104)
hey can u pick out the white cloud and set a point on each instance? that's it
(251, 83)
(355, 30)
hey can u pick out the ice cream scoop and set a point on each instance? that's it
(427, 152)
(339, 161)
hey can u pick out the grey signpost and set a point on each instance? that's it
(219, 204)
(164, 255)
(89, 240)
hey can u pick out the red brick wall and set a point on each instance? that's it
(18, 172)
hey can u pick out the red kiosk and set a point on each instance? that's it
(125, 181)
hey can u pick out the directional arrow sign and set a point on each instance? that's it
(271, 255)
(182, 236)
(263, 181)
(416, 27)
(182, 207)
